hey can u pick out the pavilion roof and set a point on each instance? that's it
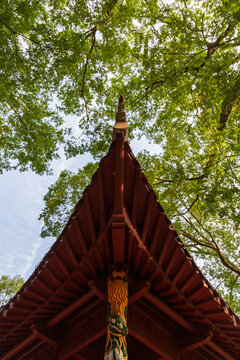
(118, 221)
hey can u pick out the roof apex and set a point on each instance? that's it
(121, 115)
(121, 126)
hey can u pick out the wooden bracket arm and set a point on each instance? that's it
(199, 339)
(46, 336)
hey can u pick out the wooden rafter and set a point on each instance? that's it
(119, 221)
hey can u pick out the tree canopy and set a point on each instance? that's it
(8, 287)
(177, 62)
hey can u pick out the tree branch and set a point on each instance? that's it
(93, 34)
(234, 175)
(161, 181)
(228, 103)
(214, 246)
(26, 135)
(194, 227)
(192, 204)
(26, 37)
(195, 240)
(210, 48)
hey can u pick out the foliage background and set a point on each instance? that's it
(177, 62)
(8, 287)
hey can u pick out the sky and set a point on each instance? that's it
(21, 195)
(21, 201)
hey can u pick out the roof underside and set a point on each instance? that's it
(173, 311)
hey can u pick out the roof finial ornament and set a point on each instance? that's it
(121, 126)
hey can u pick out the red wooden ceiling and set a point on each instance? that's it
(174, 313)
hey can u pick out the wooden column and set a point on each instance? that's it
(116, 345)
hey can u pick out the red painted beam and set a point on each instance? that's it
(135, 197)
(118, 223)
(140, 325)
(45, 336)
(197, 340)
(118, 241)
(211, 353)
(19, 347)
(157, 233)
(130, 248)
(147, 215)
(119, 175)
(83, 312)
(135, 295)
(78, 357)
(139, 294)
(79, 235)
(219, 350)
(71, 308)
(28, 351)
(90, 218)
(149, 332)
(102, 215)
(37, 333)
(100, 294)
(169, 311)
(86, 333)
(66, 311)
